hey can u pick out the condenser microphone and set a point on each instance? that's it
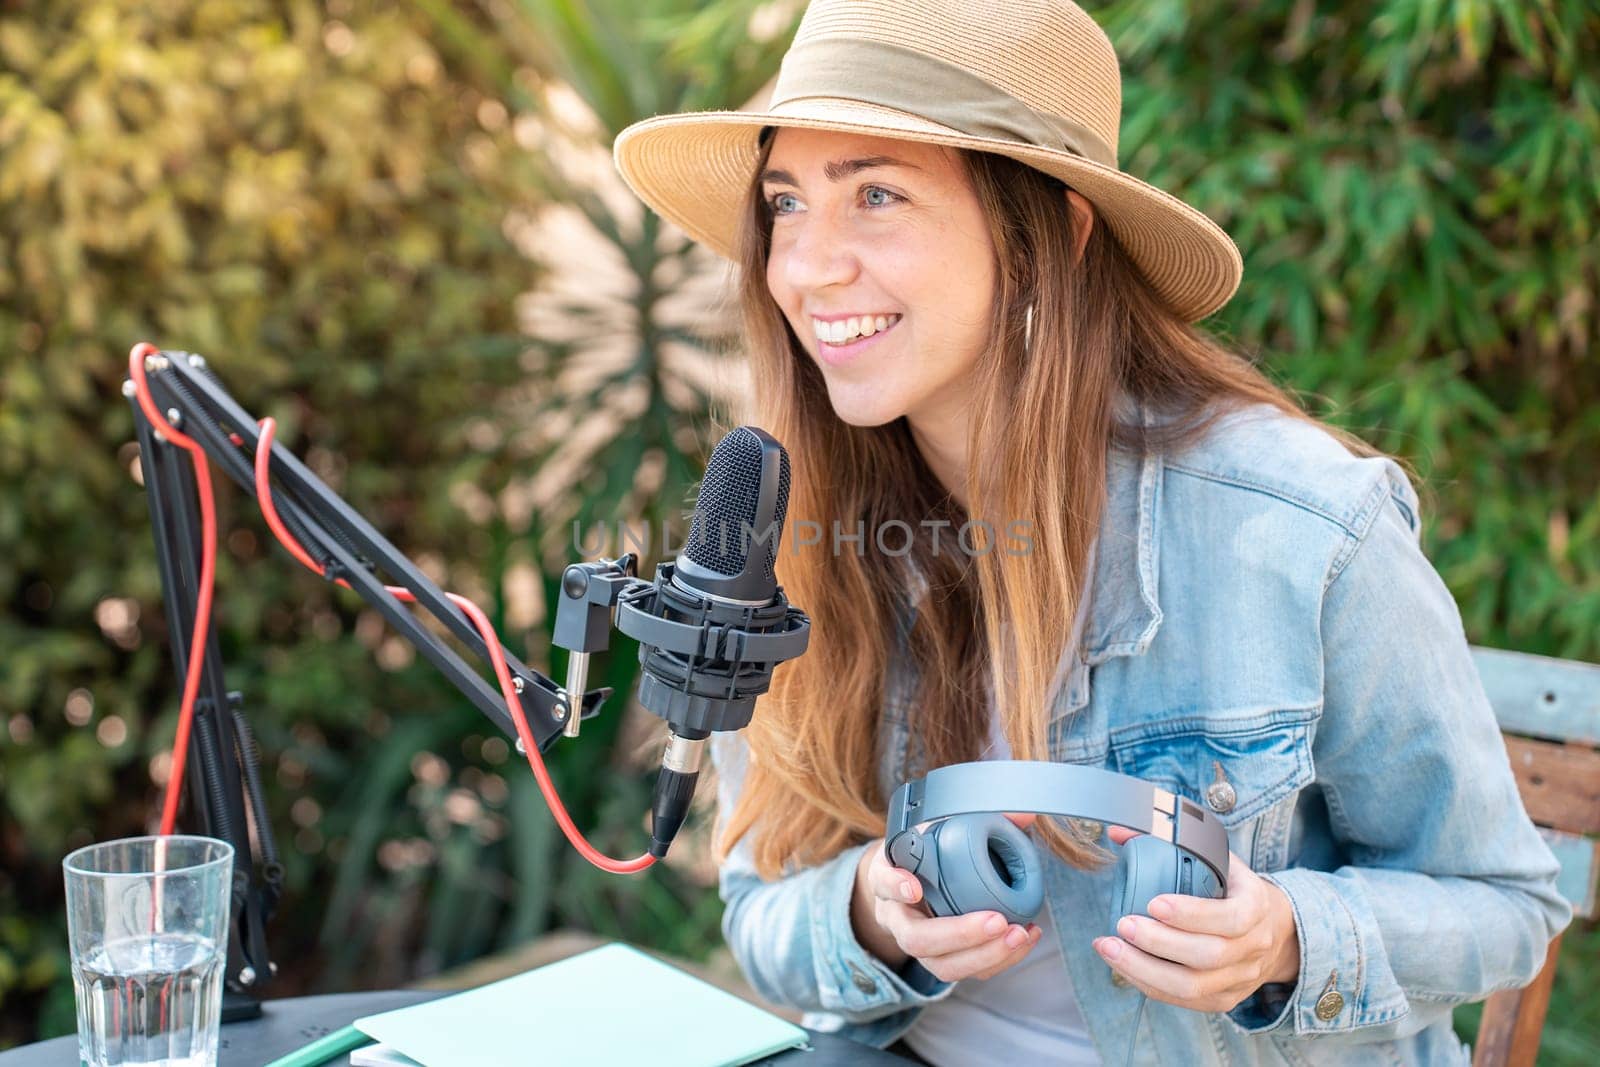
(715, 622)
(733, 533)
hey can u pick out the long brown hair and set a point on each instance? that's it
(1043, 419)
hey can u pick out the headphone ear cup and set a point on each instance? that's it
(987, 863)
(1148, 868)
(1206, 883)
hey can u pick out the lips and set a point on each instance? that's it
(840, 330)
(838, 355)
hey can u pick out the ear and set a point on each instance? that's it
(1082, 220)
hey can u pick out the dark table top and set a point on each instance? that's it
(288, 1024)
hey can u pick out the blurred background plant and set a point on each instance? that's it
(395, 228)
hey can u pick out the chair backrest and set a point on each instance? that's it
(1549, 714)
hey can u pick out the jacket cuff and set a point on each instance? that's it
(851, 980)
(1345, 983)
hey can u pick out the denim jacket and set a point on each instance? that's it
(1266, 637)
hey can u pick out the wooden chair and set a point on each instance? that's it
(1549, 713)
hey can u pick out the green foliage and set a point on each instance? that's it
(319, 205)
(1413, 187)
(626, 60)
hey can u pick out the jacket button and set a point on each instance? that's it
(1221, 797)
(862, 980)
(1220, 794)
(1329, 1004)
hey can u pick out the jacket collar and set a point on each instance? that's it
(1125, 612)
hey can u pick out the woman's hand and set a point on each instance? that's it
(890, 923)
(1207, 954)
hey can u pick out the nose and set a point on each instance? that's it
(815, 254)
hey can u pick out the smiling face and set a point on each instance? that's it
(877, 236)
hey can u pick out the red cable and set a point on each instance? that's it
(208, 561)
(263, 455)
(502, 673)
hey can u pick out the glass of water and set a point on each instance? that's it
(147, 918)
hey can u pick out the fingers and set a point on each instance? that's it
(1238, 914)
(888, 882)
(1120, 835)
(984, 960)
(925, 938)
(1215, 990)
(1017, 954)
(1204, 952)
(1229, 917)
(1023, 819)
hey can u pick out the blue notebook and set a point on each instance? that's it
(612, 1004)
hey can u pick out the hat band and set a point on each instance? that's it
(890, 75)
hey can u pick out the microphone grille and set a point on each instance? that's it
(727, 505)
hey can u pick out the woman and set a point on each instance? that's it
(1060, 522)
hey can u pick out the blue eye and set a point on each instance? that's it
(867, 190)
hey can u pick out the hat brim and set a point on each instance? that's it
(694, 169)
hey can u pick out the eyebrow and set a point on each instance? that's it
(840, 168)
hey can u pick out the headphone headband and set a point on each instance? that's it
(1061, 789)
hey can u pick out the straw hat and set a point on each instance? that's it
(1035, 80)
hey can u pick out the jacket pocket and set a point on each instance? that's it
(1239, 768)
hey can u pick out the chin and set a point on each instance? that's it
(864, 413)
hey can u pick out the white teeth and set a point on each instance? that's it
(841, 330)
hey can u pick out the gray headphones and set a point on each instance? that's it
(975, 859)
